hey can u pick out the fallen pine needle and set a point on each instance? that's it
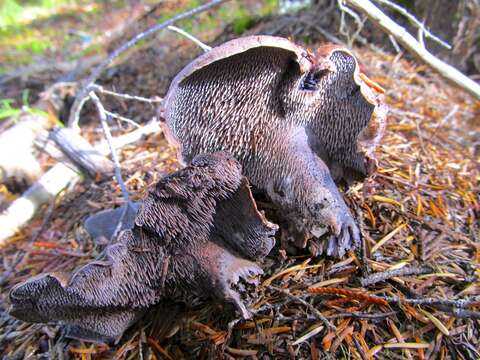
(406, 345)
(330, 282)
(314, 330)
(436, 322)
(357, 295)
(203, 328)
(386, 200)
(298, 267)
(373, 351)
(154, 343)
(241, 352)
(387, 237)
(269, 332)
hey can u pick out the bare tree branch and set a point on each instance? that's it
(102, 90)
(421, 27)
(108, 135)
(382, 276)
(410, 43)
(190, 37)
(86, 88)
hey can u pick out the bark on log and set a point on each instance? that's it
(81, 153)
(54, 181)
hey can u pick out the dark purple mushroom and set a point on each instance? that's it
(295, 121)
(197, 232)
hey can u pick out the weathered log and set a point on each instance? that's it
(54, 181)
(19, 138)
(80, 152)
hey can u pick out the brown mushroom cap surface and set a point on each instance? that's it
(197, 232)
(295, 120)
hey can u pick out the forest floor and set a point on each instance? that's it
(419, 215)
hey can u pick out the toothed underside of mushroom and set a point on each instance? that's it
(180, 244)
(291, 119)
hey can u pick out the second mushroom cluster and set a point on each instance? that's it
(258, 110)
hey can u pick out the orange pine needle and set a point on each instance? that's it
(357, 295)
(372, 83)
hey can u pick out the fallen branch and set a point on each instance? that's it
(190, 37)
(19, 139)
(102, 90)
(382, 276)
(309, 306)
(415, 21)
(81, 152)
(118, 173)
(459, 303)
(411, 44)
(54, 181)
(86, 88)
(111, 146)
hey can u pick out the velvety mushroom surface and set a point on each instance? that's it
(197, 232)
(296, 121)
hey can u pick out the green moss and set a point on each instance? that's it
(242, 23)
(14, 12)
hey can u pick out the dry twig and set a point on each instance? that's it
(314, 311)
(409, 42)
(190, 37)
(415, 21)
(86, 88)
(382, 276)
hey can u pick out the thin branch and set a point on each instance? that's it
(122, 118)
(345, 10)
(349, 11)
(385, 275)
(410, 43)
(190, 37)
(100, 89)
(362, 315)
(415, 21)
(86, 88)
(108, 135)
(309, 306)
(394, 44)
(459, 303)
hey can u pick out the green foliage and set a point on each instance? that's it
(242, 23)
(9, 10)
(34, 46)
(14, 12)
(7, 111)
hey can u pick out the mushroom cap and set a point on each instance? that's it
(234, 47)
(369, 138)
(306, 62)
